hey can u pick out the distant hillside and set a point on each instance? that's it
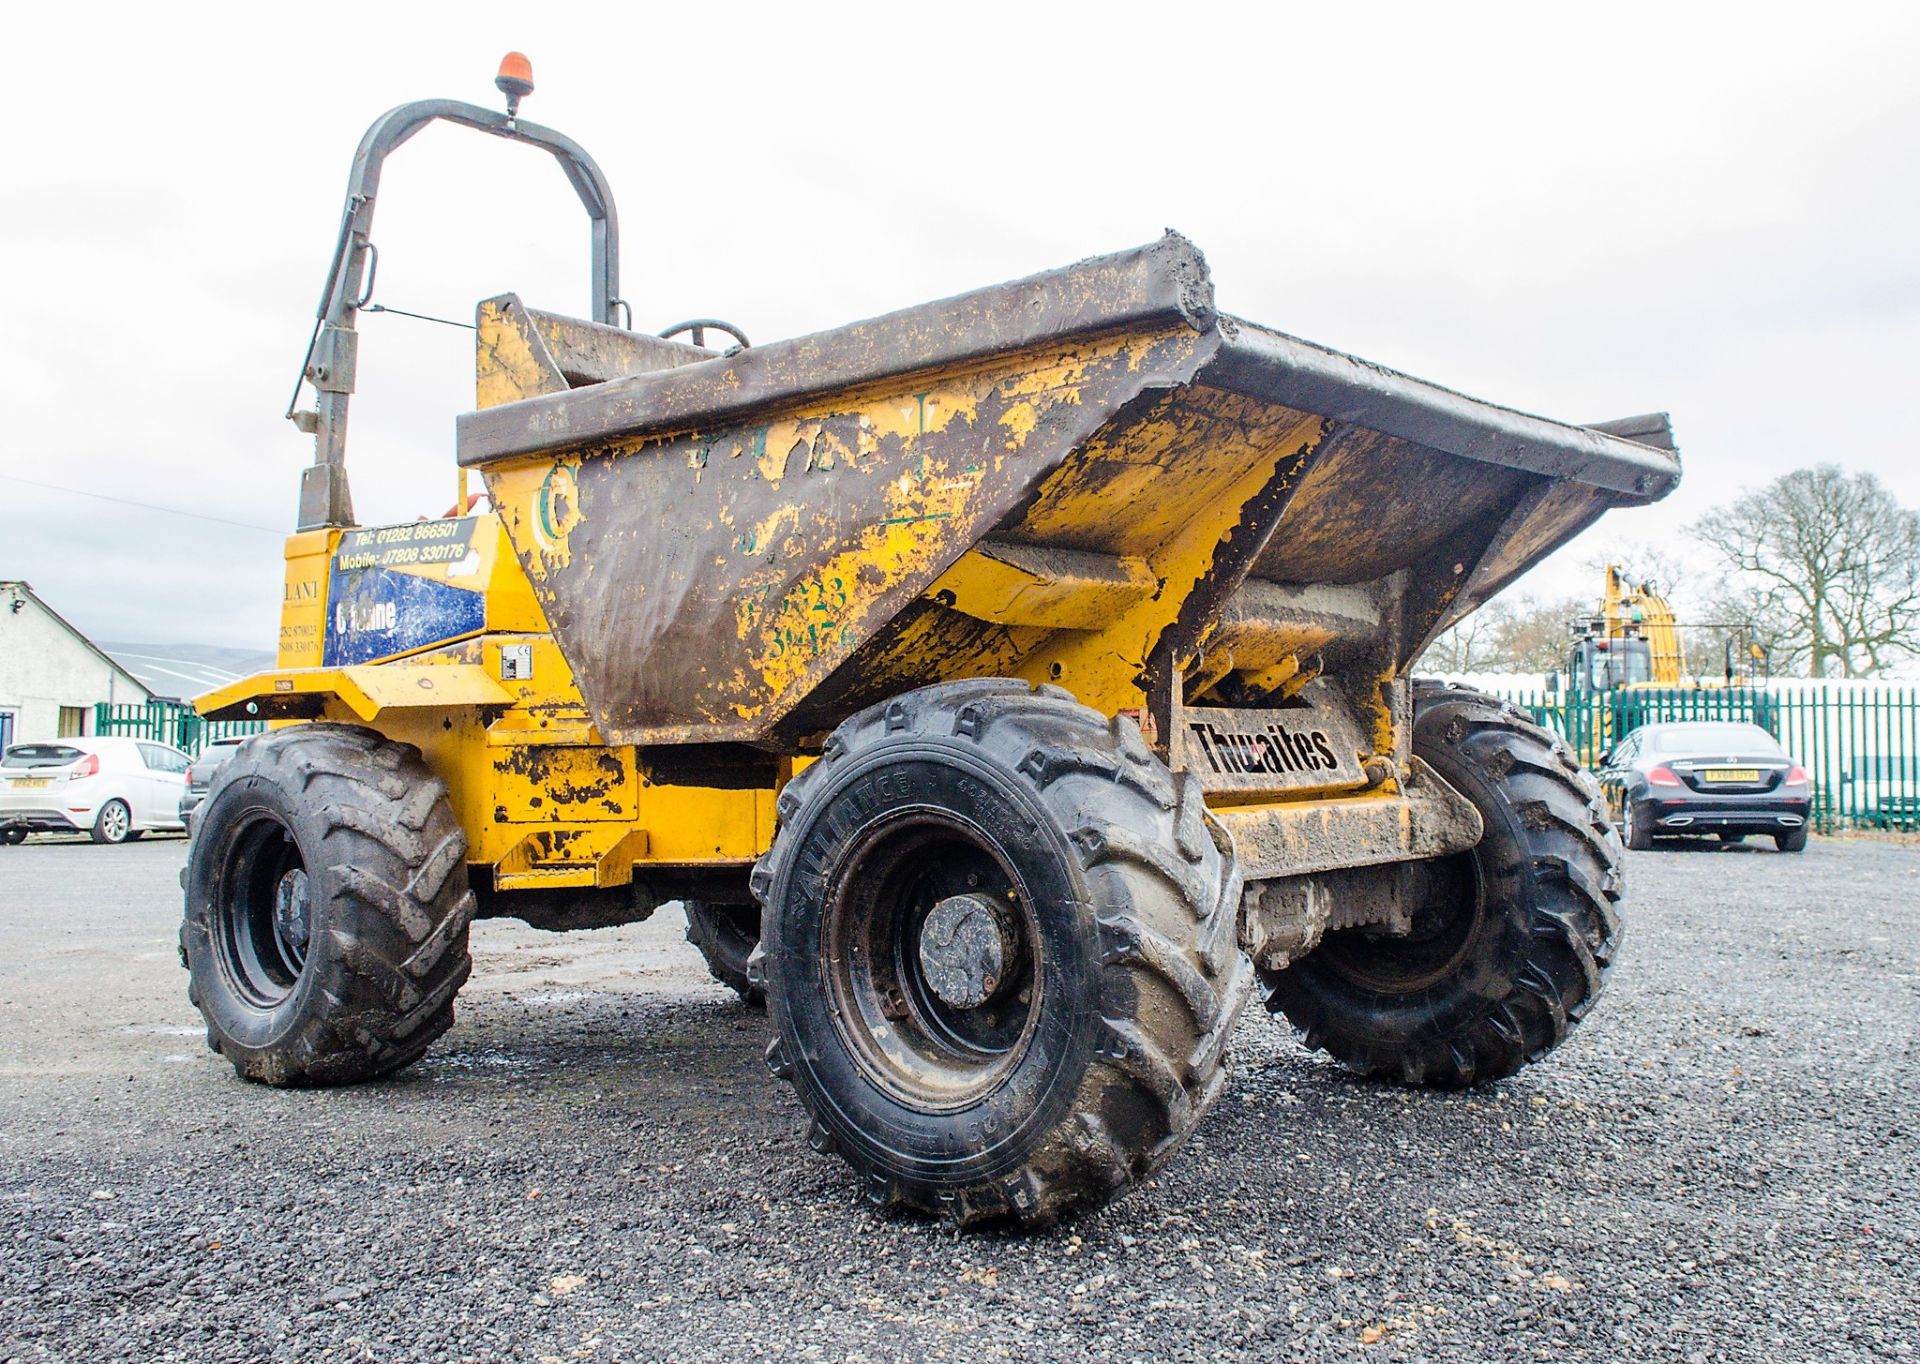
(185, 670)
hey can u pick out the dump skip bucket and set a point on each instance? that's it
(1088, 477)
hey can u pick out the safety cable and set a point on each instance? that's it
(424, 317)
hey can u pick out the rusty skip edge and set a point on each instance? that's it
(1284, 369)
(1147, 288)
(1166, 283)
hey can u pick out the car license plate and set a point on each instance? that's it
(1732, 774)
(32, 783)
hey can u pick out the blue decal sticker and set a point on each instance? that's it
(387, 593)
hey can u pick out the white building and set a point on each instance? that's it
(51, 675)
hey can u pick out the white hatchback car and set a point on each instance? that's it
(112, 788)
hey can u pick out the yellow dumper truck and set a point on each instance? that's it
(1006, 686)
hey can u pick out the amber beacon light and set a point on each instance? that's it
(515, 80)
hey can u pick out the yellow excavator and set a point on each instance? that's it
(1633, 655)
(1636, 641)
(1633, 642)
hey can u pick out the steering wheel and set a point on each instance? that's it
(699, 325)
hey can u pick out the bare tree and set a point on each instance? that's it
(1533, 636)
(1733, 618)
(1465, 647)
(1668, 571)
(1829, 563)
(1508, 635)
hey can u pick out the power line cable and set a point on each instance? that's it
(144, 506)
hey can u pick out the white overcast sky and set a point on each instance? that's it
(1586, 212)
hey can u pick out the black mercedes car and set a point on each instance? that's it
(1717, 777)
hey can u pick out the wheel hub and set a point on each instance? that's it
(290, 897)
(932, 980)
(965, 948)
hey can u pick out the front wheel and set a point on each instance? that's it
(114, 823)
(1639, 827)
(13, 834)
(326, 907)
(1514, 940)
(1001, 952)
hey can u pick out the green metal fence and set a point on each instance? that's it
(1860, 745)
(168, 722)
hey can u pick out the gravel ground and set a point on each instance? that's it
(1721, 1164)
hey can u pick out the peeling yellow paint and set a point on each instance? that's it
(507, 365)
(1168, 489)
(798, 627)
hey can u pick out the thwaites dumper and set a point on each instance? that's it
(1005, 685)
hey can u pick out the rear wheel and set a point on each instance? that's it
(1514, 940)
(1001, 952)
(13, 834)
(326, 907)
(726, 936)
(113, 823)
(1793, 840)
(1639, 830)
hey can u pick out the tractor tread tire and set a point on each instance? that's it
(1166, 886)
(1548, 830)
(388, 947)
(726, 944)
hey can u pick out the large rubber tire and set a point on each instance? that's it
(1127, 898)
(327, 907)
(726, 936)
(13, 834)
(113, 824)
(1792, 841)
(1525, 944)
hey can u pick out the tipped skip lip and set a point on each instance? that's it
(1163, 284)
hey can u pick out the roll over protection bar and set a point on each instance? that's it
(330, 361)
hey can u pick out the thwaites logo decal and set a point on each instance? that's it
(1300, 748)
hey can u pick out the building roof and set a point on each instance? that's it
(20, 589)
(187, 670)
